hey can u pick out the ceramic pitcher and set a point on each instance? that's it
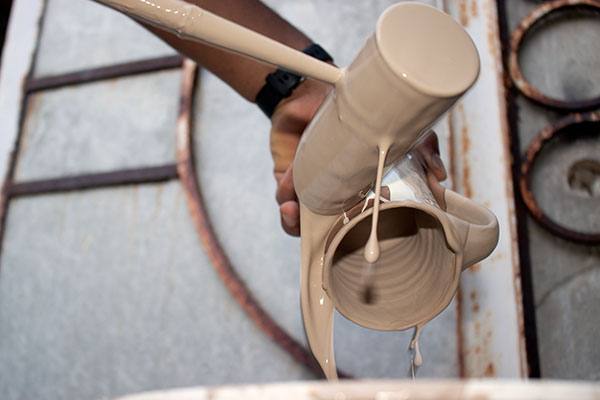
(411, 70)
(424, 248)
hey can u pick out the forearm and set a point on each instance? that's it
(244, 74)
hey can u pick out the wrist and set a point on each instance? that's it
(281, 84)
(304, 100)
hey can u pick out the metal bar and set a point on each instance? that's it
(491, 312)
(88, 181)
(111, 71)
(564, 125)
(529, 316)
(536, 17)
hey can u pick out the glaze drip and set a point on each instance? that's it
(372, 250)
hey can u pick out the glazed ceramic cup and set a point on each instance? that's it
(411, 70)
(424, 248)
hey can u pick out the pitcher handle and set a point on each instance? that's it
(476, 225)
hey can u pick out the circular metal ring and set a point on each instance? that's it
(534, 18)
(533, 150)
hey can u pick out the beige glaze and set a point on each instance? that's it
(405, 269)
(423, 251)
(191, 22)
(372, 247)
(411, 70)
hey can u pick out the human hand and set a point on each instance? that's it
(288, 122)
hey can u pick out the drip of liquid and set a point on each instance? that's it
(416, 359)
(372, 246)
(372, 251)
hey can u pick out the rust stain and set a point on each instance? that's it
(466, 146)
(536, 17)
(463, 13)
(475, 308)
(473, 295)
(490, 370)
(474, 9)
(532, 152)
(477, 349)
(477, 329)
(475, 268)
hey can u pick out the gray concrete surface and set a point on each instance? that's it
(81, 34)
(107, 292)
(101, 126)
(562, 59)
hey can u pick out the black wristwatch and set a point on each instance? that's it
(280, 83)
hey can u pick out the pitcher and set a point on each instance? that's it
(424, 248)
(412, 69)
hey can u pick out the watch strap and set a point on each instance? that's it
(280, 84)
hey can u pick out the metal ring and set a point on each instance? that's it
(532, 152)
(534, 18)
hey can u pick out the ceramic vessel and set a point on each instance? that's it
(424, 249)
(413, 68)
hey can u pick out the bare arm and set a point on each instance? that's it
(244, 74)
(247, 76)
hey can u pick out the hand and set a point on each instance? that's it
(288, 122)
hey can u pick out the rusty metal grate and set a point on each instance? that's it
(183, 169)
(571, 116)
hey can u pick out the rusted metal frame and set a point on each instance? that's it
(214, 251)
(491, 325)
(88, 181)
(102, 73)
(533, 150)
(535, 18)
(529, 314)
(184, 169)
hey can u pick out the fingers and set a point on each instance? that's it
(288, 204)
(437, 190)
(285, 187)
(429, 150)
(283, 149)
(290, 217)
